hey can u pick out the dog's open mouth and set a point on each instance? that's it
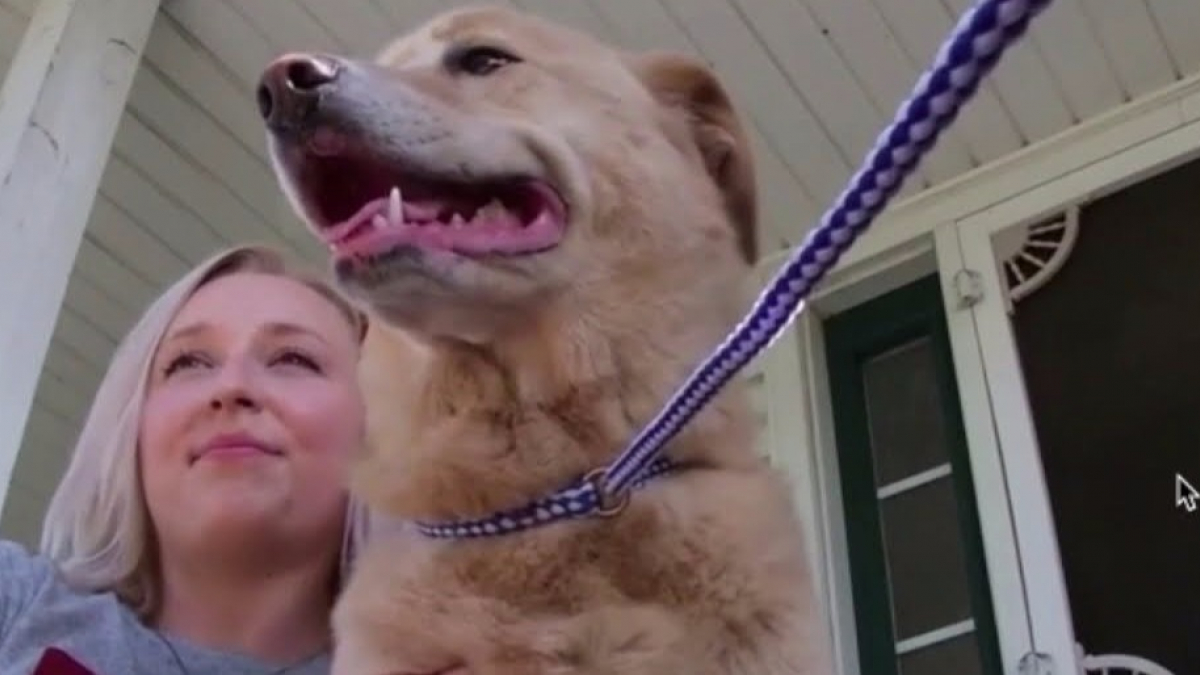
(365, 207)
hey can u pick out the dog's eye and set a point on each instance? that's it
(479, 61)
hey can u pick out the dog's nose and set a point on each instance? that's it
(292, 85)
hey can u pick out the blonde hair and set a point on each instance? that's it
(97, 526)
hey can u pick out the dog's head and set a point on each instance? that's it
(492, 164)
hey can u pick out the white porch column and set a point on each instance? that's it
(59, 108)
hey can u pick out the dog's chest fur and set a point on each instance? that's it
(705, 545)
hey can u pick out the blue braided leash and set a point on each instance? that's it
(972, 50)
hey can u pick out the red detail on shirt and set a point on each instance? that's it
(55, 661)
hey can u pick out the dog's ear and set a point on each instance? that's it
(690, 86)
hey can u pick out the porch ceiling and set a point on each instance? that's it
(817, 79)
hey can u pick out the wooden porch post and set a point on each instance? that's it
(59, 107)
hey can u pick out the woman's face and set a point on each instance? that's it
(251, 415)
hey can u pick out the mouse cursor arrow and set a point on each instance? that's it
(1186, 495)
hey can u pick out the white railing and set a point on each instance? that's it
(1117, 664)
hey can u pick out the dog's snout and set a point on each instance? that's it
(291, 87)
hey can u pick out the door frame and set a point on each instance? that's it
(915, 310)
(949, 230)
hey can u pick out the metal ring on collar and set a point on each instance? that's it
(608, 504)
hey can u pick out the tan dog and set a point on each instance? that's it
(568, 237)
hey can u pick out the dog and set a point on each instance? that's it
(548, 234)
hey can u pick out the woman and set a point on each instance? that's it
(202, 525)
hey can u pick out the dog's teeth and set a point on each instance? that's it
(492, 210)
(457, 220)
(395, 210)
(379, 222)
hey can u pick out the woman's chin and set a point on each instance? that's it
(248, 516)
(238, 505)
(252, 502)
(241, 515)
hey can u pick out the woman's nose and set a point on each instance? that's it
(234, 388)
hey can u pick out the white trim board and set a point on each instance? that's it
(789, 443)
(986, 327)
(993, 506)
(825, 488)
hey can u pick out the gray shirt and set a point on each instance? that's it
(38, 610)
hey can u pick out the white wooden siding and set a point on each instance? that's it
(816, 80)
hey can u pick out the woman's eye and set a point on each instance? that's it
(182, 361)
(480, 61)
(292, 357)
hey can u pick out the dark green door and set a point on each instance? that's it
(920, 588)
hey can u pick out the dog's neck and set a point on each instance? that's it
(493, 426)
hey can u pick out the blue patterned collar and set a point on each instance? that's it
(586, 496)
